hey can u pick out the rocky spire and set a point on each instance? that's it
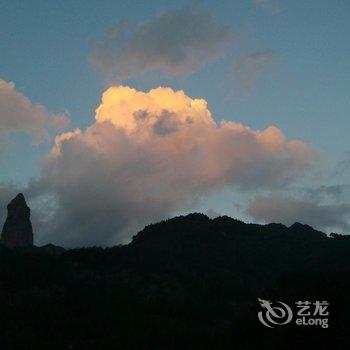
(17, 230)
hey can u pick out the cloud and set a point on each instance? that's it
(283, 209)
(148, 155)
(212, 214)
(323, 192)
(343, 166)
(175, 42)
(7, 192)
(247, 68)
(19, 114)
(271, 7)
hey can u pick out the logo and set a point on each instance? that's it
(272, 315)
(278, 313)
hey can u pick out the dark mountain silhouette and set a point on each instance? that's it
(17, 230)
(185, 283)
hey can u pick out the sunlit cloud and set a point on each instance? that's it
(19, 114)
(150, 154)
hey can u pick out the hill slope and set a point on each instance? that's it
(186, 283)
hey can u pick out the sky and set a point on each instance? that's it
(117, 114)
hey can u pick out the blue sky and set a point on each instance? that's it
(303, 89)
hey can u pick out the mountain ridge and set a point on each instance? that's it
(222, 223)
(189, 282)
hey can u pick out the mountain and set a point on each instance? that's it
(17, 230)
(190, 282)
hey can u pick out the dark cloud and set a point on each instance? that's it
(174, 42)
(7, 192)
(283, 209)
(271, 7)
(141, 114)
(247, 68)
(166, 123)
(342, 168)
(323, 192)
